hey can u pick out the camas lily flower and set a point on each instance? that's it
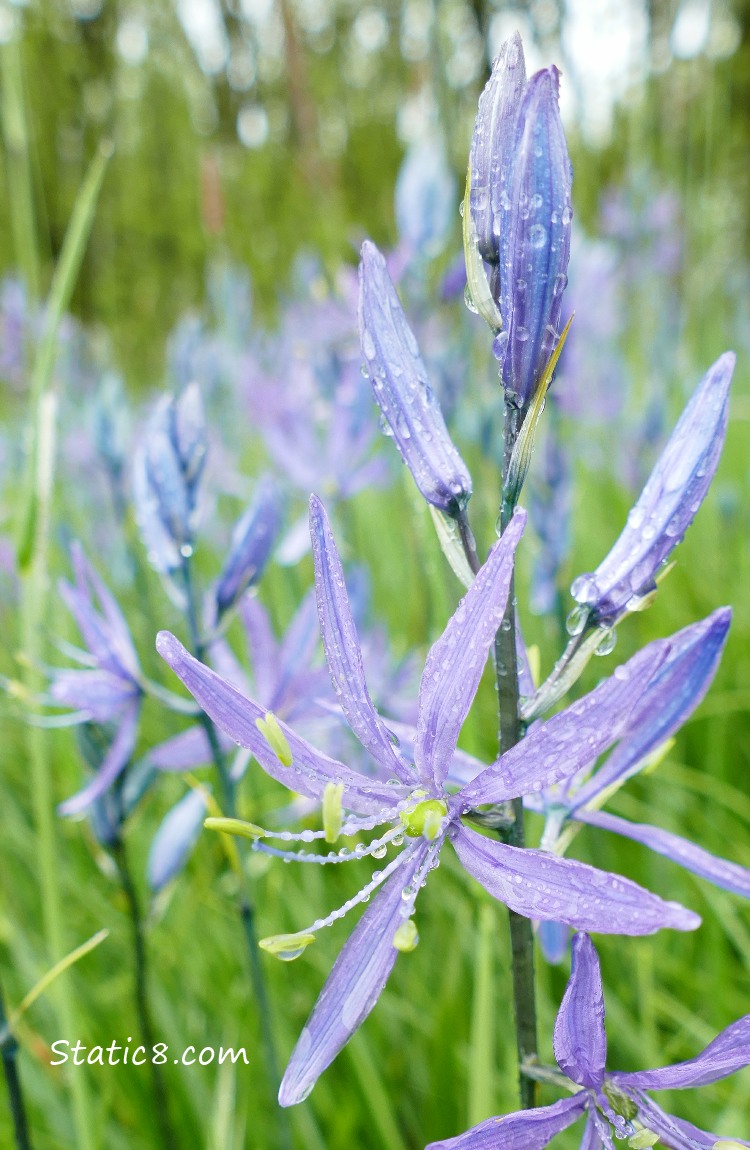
(108, 689)
(615, 1104)
(411, 801)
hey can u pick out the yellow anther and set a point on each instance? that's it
(287, 947)
(727, 1144)
(425, 819)
(275, 737)
(643, 1140)
(235, 827)
(406, 937)
(332, 811)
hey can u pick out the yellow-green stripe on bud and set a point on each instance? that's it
(727, 1144)
(406, 937)
(235, 827)
(287, 947)
(332, 811)
(275, 737)
(425, 819)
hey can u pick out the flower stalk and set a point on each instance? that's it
(8, 1052)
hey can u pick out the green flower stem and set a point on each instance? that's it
(8, 1052)
(246, 905)
(166, 1132)
(511, 731)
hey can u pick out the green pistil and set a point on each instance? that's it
(425, 819)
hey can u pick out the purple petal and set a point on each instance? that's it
(668, 503)
(528, 1130)
(456, 661)
(235, 715)
(343, 652)
(728, 1052)
(580, 1041)
(591, 1139)
(553, 939)
(671, 697)
(100, 693)
(175, 838)
(353, 986)
(722, 873)
(182, 752)
(262, 646)
(120, 641)
(570, 740)
(492, 144)
(534, 249)
(676, 1132)
(399, 384)
(112, 765)
(542, 886)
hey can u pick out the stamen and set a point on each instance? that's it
(287, 947)
(376, 848)
(275, 737)
(237, 827)
(332, 816)
(644, 1139)
(288, 944)
(406, 937)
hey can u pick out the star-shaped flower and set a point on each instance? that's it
(411, 800)
(615, 1104)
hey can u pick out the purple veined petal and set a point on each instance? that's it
(113, 763)
(91, 626)
(119, 633)
(175, 838)
(182, 752)
(399, 383)
(534, 248)
(296, 654)
(601, 1130)
(310, 770)
(166, 480)
(729, 1051)
(527, 1130)
(456, 661)
(464, 767)
(525, 678)
(542, 886)
(262, 646)
(100, 693)
(671, 697)
(591, 1139)
(354, 984)
(722, 873)
(253, 540)
(425, 197)
(492, 144)
(571, 740)
(668, 503)
(343, 651)
(676, 1132)
(580, 1041)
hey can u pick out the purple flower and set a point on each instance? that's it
(410, 799)
(520, 203)
(109, 689)
(402, 392)
(425, 198)
(615, 1105)
(667, 505)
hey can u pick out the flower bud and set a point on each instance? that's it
(399, 382)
